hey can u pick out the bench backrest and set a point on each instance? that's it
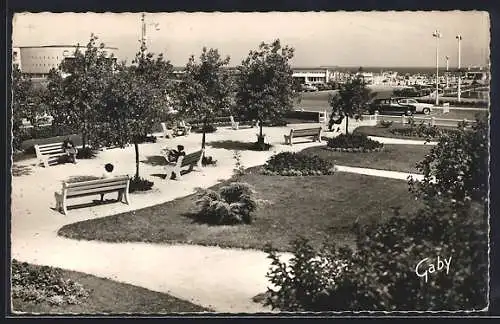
(190, 159)
(48, 149)
(305, 132)
(95, 186)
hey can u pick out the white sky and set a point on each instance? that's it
(323, 38)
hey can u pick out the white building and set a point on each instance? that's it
(37, 61)
(312, 75)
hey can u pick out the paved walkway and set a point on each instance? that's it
(222, 279)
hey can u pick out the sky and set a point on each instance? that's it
(392, 39)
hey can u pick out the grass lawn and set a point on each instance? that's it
(393, 157)
(108, 296)
(309, 206)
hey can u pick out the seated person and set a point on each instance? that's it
(70, 149)
(173, 156)
(108, 168)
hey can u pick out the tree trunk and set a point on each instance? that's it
(346, 125)
(136, 146)
(203, 138)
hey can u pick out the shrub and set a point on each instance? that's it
(297, 164)
(208, 129)
(208, 160)
(386, 123)
(357, 141)
(140, 184)
(239, 168)
(42, 283)
(380, 274)
(233, 204)
(86, 153)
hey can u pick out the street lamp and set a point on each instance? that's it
(447, 66)
(143, 29)
(438, 35)
(459, 92)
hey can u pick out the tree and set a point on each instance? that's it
(206, 89)
(135, 99)
(76, 99)
(349, 102)
(265, 85)
(21, 87)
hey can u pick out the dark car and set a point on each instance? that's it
(391, 106)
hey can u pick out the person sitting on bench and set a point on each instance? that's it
(173, 156)
(107, 174)
(70, 149)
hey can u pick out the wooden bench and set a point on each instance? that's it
(167, 133)
(49, 153)
(183, 129)
(315, 133)
(92, 187)
(191, 160)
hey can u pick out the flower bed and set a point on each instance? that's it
(297, 164)
(356, 143)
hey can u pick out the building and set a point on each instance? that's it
(312, 75)
(37, 61)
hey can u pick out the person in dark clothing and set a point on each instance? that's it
(174, 156)
(70, 149)
(107, 174)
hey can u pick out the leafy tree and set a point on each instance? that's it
(265, 87)
(206, 89)
(457, 167)
(21, 101)
(349, 102)
(135, 100)
(76, 100)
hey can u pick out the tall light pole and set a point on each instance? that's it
(438, 35)
(143, 29)
(459, 91)
(447, 68)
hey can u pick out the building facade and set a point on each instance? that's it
(37, 61)
(311, 75)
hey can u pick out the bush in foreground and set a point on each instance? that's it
(140, 184)
(42, 283)
(354, 143)
(233, 204)
(381, 273)
(297, 164)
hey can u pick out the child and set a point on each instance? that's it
(106, 175)
(70, 150)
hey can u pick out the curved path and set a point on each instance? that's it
(222, 279)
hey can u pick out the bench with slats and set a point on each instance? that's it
(118, 184)
(49, 154)
(192, 161)
(315, 133)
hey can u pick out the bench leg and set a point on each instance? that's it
(45, 163)
(61, 203)
(123, 195)
(288, 140)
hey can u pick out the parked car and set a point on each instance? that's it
(309, 87)
(323, 86)
(423, 108)
(391, 106)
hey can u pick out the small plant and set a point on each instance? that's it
(355, 142)
(297, 164)
(44, 284)
(208, 160)
(86, 153)
(386, 123)
(239, 169)
(140, 184)
(233, 204)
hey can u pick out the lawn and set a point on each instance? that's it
(108, 296)
(311, 206)
(393, 157)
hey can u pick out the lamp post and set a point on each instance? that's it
(447, 67)
(459, 91)
(143, 29)
(438, 35)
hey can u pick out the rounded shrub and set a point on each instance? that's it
(297, 164)
(354, 143)
(232, 204)
(140, 184)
